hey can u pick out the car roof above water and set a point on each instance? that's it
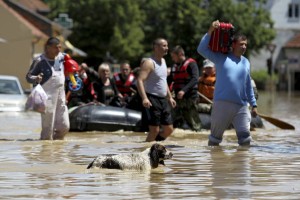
(9, 77)
(12, 78)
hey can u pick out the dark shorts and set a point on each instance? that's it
(160, 111)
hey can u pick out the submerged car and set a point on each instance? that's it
(12, 96)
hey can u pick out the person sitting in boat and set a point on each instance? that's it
(125, 80)
(105, 88)
(206, 86)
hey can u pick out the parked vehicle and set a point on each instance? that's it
(12, 96)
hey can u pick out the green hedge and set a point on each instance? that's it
(260, 77)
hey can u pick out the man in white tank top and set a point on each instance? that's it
(155, 93)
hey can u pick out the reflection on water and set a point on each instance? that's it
(269, 169)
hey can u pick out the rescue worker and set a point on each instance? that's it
(185, 79)
(125, 81)
(206, 86)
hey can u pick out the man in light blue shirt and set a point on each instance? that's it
(233, 90)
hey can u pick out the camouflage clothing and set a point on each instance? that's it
(187, 110)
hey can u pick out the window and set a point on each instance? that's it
(293, 10)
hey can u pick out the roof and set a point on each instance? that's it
(28, 12)
(34, 5)
(35, 31)
(294, 42)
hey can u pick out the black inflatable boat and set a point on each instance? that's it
(93, 117)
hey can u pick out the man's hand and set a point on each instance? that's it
(214, 25)
(172, 102)
(39, 78)
(146, 103)
(180, 94)
(254, 111)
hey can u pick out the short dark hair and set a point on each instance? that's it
(157, 41)
(177, 49)
(123, 62)
(238, 36)
(52, 40)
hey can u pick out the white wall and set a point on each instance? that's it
(286, 29)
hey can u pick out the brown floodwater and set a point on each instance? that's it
(268, 169)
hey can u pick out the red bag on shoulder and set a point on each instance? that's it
(221, 38)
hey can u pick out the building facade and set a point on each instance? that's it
(284, 51)
(24, 31)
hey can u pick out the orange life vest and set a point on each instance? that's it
(206, 86)
(124, 87)
(181, 77)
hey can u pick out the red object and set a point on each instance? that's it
(181, 76)
(221, 38)
(71, 66)
(124, 88)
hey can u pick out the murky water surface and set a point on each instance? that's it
(269, 169)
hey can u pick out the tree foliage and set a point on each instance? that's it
(179, 21)
(249, 18)
(126, 28)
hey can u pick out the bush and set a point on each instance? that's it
(260, 77)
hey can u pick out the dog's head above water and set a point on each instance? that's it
(148, 159)
(158, 153)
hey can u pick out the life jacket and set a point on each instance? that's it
(180, 76)
(206, 86)
(124, 87)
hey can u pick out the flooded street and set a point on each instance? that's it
(269, 169)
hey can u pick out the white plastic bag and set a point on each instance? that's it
(37, 99)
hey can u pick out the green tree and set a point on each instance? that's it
(57, 7)
(179, 21)
(104, 27)
(127, 35)
(126, 28)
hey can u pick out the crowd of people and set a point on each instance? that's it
(165, 95)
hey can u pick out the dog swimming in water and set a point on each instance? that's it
(148, 159)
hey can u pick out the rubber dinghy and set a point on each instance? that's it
(93, 117)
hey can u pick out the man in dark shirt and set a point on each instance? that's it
(185, 76)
